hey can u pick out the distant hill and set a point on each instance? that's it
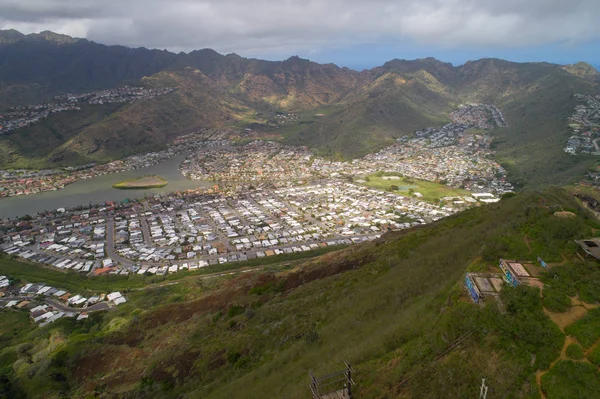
(360, 111)
(583, 70)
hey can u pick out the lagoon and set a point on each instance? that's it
(99, 189)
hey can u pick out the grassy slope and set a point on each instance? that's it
(397, 307)
(388, 108)
(31, 146)
(532, 146)
(104, 133)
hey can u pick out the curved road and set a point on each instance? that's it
(63, 308)
(57, 305)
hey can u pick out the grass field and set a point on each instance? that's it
(151, 181)
(432, 192)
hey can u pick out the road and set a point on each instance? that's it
(59, 306)
(94, 308)
(145, 231)
(110, 244)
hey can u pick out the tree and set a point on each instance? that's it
(394, 187)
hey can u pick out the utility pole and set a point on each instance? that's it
(483, 390)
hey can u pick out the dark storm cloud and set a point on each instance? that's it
(272, 26)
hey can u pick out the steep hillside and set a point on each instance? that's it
(394, 308)
(536, 99)
(389, 107)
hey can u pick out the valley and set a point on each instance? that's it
(194, 224)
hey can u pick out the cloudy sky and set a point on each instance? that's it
(354, 33)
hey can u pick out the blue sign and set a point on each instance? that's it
(508, 275)
(471, 288)
(544, 265)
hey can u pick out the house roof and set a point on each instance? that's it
(591, 246)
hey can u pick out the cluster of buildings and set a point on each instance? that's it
(187, 231)
(26, 115)
(457, 154)
(125, 94)
(47, 304)
(585, 125)
(68, 240)
(483, 116)
(258, 162)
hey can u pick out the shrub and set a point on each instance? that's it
(311, 336)
(235, 310)
(586, 330)
(568, 379)
(595, 356)
(574, 351)
(555, 300)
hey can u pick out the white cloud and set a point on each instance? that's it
(284, 26)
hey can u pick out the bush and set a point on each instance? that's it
(526, 329)
(235, 310)
(272, 287)
(568, 379)
(555, 300)
(586, 330)
(574, 351)
(311, 336)
(595, 356)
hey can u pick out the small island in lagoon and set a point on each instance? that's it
(144, 182)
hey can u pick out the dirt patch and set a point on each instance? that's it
(565, 319)
(175, 370)
(534, 282)
(564, 214)
(324, 267)
(111, 367)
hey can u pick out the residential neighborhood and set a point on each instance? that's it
(26, 115)
(585, 126)
(457, 154)
(47, 304)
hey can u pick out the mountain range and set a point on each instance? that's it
(342, 113)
